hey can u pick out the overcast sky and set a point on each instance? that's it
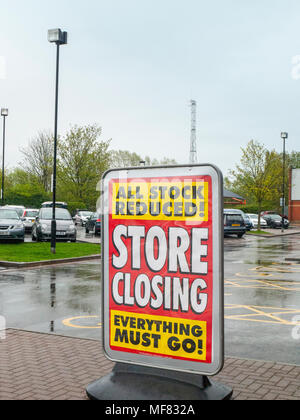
(133, 66)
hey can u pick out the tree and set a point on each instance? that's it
(293, 159)
(38, 158)
(164, 161)
(82, 159)
(259, 174)
(124, 159)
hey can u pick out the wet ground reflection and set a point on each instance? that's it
(262, 297)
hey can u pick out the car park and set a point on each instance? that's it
(254, 221)
(11, 226)
(247, 220)
(28, 218)
(94, 224)
(65, 227)
(274, 221)
(234, 224)
(82, 216)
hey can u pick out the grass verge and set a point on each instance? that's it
(258, 232)
(32, 252)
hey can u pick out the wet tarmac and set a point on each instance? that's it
(262, 299)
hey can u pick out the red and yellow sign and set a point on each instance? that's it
(160, 255)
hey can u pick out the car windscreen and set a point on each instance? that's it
(9, 214)
(31, 213)
(18, 211)
(85, 213)
(60, 214)
(275, 217)
(234, 218)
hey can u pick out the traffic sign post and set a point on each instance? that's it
(163, 283)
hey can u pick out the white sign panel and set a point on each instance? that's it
(162, 256)
(295, 185)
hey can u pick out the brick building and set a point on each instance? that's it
(294, 196)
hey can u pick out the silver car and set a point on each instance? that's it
(11, 226)
(28, 218)
(65, 228)
(82, 217)
(254, 220)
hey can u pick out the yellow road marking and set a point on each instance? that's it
(68, 322)
(270, 317)
(261, 284)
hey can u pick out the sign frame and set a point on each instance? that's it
(217, 350)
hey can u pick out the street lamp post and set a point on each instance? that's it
(58, 37)
(4, 114)
(284, 137)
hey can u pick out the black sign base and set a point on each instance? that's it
(136, 383)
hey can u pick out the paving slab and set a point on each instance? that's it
(35, 366)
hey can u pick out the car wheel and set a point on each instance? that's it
(240, 235)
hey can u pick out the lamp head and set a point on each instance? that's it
(284, 136)
(57, 36)
(4, 112)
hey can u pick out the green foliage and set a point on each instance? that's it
(38, 158)
(124, 159)
(259, 175)
(29, 252)
(249, 209)
(28, 195)
(82, 161)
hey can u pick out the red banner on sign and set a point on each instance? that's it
(160, 267)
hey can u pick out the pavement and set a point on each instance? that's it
(273, 233)
(37, 365)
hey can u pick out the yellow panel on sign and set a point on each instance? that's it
(180, 201)
(173, 337)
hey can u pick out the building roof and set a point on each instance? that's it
(229, 194)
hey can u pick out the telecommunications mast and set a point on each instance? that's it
(193, 151)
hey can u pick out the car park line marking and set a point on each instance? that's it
(69, 322)
(259, 311)
(261, 285)
(254, 275)
(282, 270)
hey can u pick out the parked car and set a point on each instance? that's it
(247, 220)
(82, 216)
(28, 218)
(254, 220)
(94, 224)
(267, 213)
(234, 224)
(18, 209)
(274, 221)
(65, 228)
(58, 204)
(264, 213)
(11, 226)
